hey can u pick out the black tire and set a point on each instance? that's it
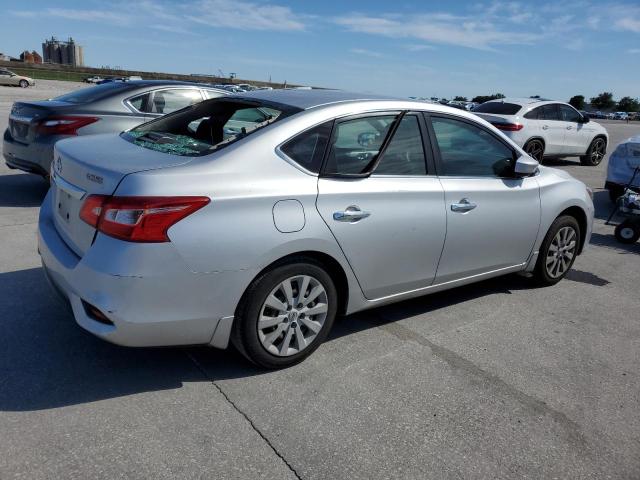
(541, 274)
(24, 83)
(627, 232)
(595, 153)
(245, 335)
(535, 149)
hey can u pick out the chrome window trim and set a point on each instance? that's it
(127, 101)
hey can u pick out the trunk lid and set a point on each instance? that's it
(95, 164)
(25, 117)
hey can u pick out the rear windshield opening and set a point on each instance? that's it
(500, 108)
(206, 127)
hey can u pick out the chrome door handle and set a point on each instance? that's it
(350, 214)
(569, 127)
(545, 127)
(463, 206)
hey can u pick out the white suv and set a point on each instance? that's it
(545, 128)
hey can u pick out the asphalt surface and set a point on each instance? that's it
(493, 380)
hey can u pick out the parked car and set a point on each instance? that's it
(620, 116)
(545, 128)
(621, 167)
(335, 203)
(93, 79)
(7, 77)
(35, 126)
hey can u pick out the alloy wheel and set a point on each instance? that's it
(292, 315)
(535, 149)
(561, 252)
(598, 151)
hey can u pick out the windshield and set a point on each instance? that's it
(85, 95)
(498, 108)
(207, 126)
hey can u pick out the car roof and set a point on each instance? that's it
(162, 83)
(306, 99)
(524, 101)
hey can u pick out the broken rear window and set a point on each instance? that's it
(207, 126)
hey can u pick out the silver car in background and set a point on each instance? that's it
(35, 126)
(185, 231)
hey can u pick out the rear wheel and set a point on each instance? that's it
(595, 153)
(558, 251)
(24, 83)
(627, 232)
(285, 314)
(535, 149)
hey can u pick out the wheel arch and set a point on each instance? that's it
(581, 217)
(331, 265)
(535, 137)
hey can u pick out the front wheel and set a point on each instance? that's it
(535, 149)
(595, 153)
(627, 232)
(24, 83)
(285, 314)
(558, 251)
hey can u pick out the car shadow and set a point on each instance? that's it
(22, 190)
(47, 361)
(561, 162)
(609, 241)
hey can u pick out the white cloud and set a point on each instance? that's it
(464, 31)
(365, 52)
(178, 17)
(245, 15)
(418, 47)
(101, 16)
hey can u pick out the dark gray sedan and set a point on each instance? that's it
(34, 127)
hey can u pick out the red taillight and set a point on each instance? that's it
(508, 127)
(138, 219)
(64, 124)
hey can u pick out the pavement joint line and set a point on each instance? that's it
(246, 417)
(459, 363)
(18, 224)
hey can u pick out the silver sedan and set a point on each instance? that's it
(258, 218)
(35, 126)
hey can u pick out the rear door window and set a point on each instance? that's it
(356, 143)
(550, 112)
(405, 153)
(171, 100)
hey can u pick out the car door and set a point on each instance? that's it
(390, 224)
(576, 137)
(492, 216)
(5, 77)
(553, 129)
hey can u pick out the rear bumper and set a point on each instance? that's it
(162, 305)
(35, 157)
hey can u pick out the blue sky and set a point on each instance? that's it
(423, 48)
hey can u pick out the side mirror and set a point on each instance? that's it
(526, 166)
(366, 139)
(584, 119)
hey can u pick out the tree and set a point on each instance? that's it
(460, 99)
(628, 104)
(486, 98)
(577, 101)
(604, 101)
